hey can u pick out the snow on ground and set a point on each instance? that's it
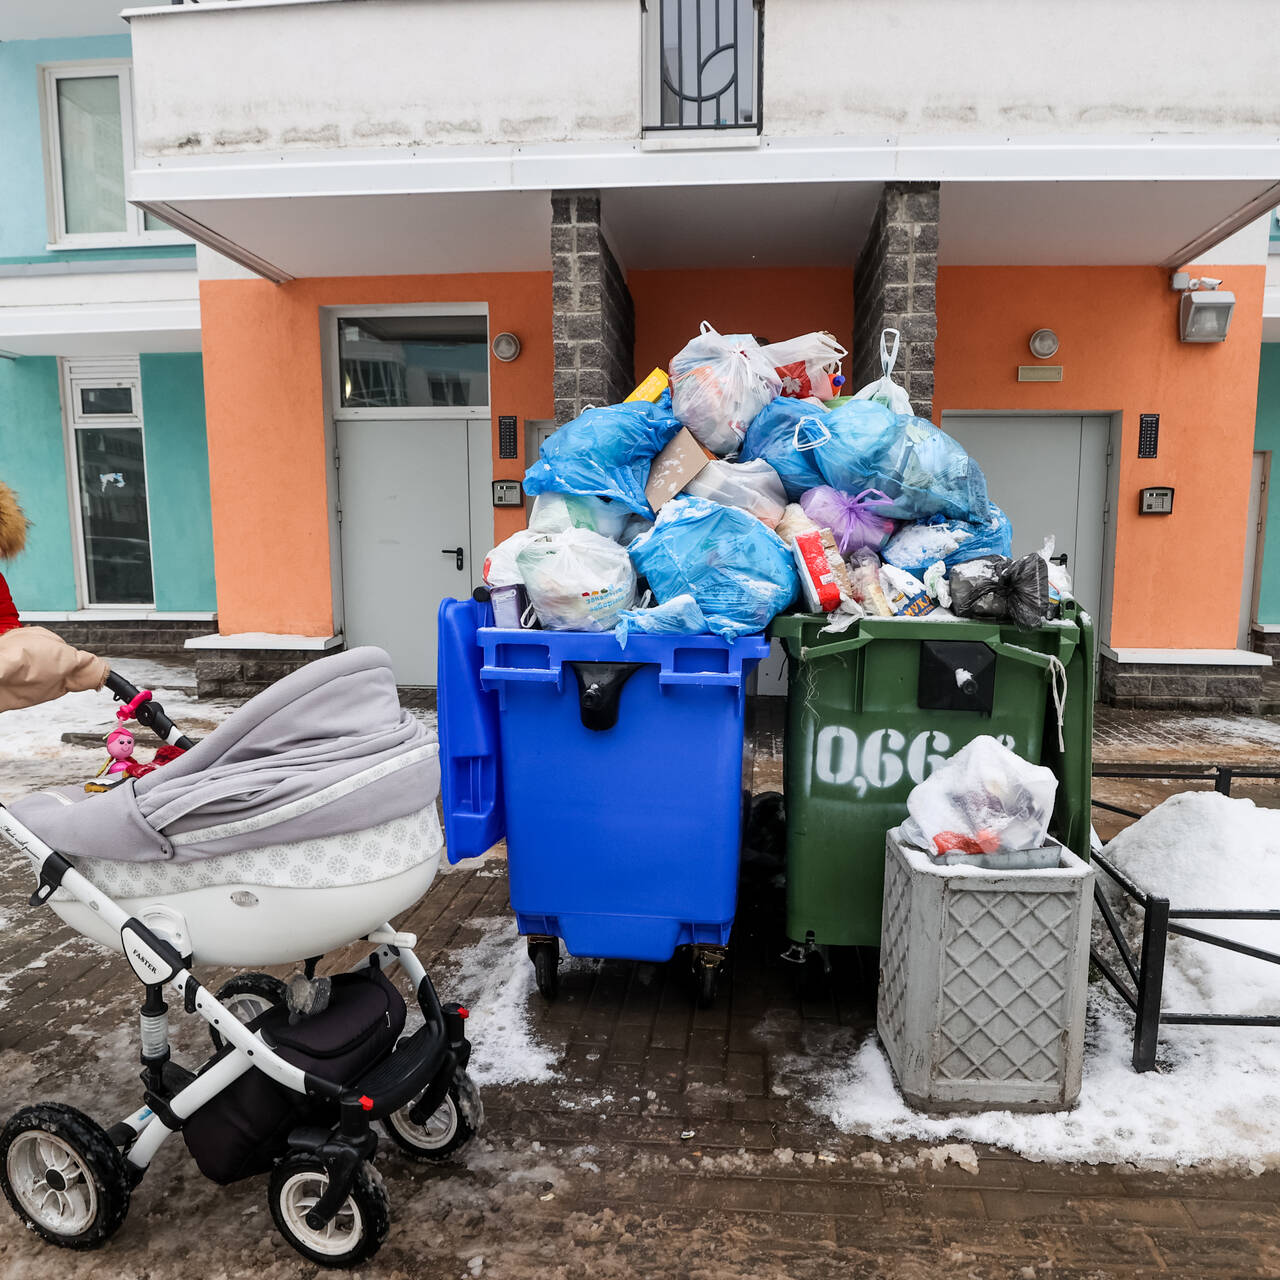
(1215, 1097)
(1215, 1101)
(1230, 729)
(494, 979)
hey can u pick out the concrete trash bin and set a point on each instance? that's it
(983, 975)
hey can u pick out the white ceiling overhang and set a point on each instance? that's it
(100, 329)
(347, 213)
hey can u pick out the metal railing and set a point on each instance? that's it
(1144, 988)
(704, 64)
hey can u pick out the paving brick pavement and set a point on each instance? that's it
(760, 1187)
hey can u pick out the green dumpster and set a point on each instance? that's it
(876, 709)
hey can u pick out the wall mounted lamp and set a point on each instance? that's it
(506, 346)
(1204, 310)
(1043, 344)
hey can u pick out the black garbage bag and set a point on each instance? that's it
(995, 587)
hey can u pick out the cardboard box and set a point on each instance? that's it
(674, 467)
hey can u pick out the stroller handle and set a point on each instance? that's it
(148, 712)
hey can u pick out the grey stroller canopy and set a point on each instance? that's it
(325, 751)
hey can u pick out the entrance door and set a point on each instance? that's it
(406, 534)
(1049, 476)
(1256, 531)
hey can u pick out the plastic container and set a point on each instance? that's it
(615, 776)
(873, 711)
(983, 976)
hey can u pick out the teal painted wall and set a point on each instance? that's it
(33, 463)
(178, 481)
(24, 230)
(1267, 436)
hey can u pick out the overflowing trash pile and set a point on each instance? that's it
(741, 483)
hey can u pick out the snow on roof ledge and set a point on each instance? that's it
(1190, 657)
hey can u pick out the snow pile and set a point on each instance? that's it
(494, 980)
(1214, 1099)
(1201, 849)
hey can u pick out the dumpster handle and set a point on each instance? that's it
(1052, 666)
(529, 674)
(810, 653)
(724, 679)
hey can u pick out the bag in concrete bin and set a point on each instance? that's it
(750, 486)
(984, 799)
(719, 382)
(577, 580)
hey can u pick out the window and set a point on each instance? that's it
(413, 361)
(87, 114)
(108, 463)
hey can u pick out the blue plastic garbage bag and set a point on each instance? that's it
(680, 616)
(788, 434)
(916, 546)
(922, 469)
(739, 571)
(606, 453)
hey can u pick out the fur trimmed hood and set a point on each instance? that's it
(13, 524)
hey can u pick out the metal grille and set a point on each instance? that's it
(705, 59)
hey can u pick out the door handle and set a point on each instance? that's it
(456, 553)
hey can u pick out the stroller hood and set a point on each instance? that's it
(326, 751)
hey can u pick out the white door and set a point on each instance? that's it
(1049, 476)
(403, 487)
(1256, 531)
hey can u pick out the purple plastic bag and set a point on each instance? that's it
(855, 521)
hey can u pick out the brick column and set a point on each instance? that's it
(893, 287)
(593, 318)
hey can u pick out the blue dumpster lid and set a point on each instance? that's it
(470, 767)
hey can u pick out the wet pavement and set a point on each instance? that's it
(671, 1140)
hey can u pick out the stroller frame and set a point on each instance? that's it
(423, 1065)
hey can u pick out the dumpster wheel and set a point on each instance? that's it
(545, 954)
(708, 963)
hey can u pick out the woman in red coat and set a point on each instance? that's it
(13, 537)
(35, 665)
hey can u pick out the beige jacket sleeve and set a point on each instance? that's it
(37, 666)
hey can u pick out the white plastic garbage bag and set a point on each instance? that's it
(577, 580)
(985, 799)
(556, 512)
(752, 486)
(719, 382)
(807, 364)
(884, 390)
(500, 564)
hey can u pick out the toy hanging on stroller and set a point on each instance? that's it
(303, 823)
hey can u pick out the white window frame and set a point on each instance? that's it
(448, 412)
(116, 371)
(135, 232)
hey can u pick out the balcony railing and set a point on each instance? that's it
(704, 64)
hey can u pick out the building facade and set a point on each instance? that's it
(101, 385)
(597, 178)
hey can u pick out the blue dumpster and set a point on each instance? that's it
(615, 775)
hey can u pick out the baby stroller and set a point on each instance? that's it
(303, 823)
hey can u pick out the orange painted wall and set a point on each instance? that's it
(771, 302)
(264, 402)
(1177, 577)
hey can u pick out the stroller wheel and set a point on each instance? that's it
(63, 1176)
(247, 995)
(356, 1231)
(450, 1127)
